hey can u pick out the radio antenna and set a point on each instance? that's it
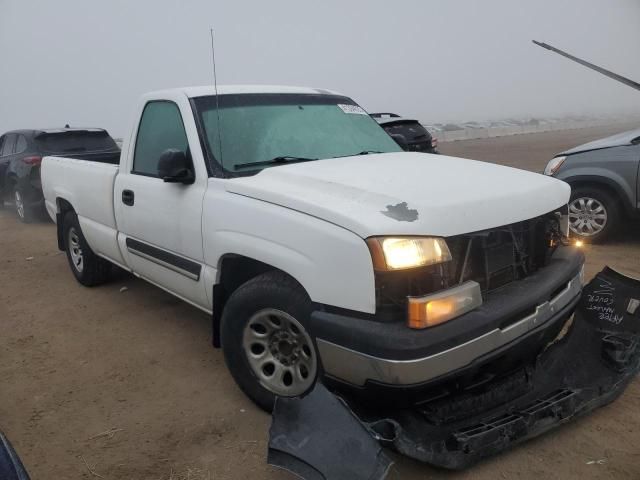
(215, 88)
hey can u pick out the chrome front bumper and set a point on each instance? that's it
(357, 368)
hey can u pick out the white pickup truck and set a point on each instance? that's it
(319, 247)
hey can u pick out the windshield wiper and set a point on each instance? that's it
(364, 152)
(281, 159)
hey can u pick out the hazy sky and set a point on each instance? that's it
(85, 62)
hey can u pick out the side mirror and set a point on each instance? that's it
(400, 140)
(175, 167)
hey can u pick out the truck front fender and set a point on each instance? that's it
(332, 264)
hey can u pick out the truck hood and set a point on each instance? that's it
(406, 193)
(617, 140)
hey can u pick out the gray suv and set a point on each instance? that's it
(604, 183)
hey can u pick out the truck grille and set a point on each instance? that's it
(498, 256)
(492, 258)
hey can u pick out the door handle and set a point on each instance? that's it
(128, 197)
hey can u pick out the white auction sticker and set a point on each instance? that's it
(355, 109)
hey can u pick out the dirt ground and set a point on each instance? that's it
(120, 383)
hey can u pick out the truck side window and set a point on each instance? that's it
(160, 128)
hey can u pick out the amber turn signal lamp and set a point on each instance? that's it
(440, 307)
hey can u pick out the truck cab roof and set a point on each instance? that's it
(208, 90)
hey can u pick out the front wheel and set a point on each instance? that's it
(593, 214)
(265, 339)
(88, 268)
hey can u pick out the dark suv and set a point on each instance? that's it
(21, 153)
(408, 133)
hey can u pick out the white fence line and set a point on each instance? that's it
(491, 132)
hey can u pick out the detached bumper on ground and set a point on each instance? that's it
(588, 367)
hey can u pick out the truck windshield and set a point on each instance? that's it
(258, 131)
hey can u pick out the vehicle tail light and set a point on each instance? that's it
(34, 160)
(434, 142)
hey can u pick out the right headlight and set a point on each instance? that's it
(554, 165)
(400, 253)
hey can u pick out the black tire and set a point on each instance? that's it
(269, 291)
(611, 207)
(23, 211)
(93, 270)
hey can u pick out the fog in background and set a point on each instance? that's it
(85, 62)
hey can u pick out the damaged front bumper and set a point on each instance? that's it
(589, 366)
(515, 321)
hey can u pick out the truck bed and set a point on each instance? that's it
(86, 183)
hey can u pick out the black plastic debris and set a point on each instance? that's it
(318, 436)
(11, 467)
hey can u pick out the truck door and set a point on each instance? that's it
(159, 223)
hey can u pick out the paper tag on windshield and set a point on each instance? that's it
(354, 109)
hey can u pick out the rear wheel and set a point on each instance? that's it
(23, 211)
(266, 343)
(88, 268)
(593, 214)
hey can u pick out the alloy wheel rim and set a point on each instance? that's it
(280, 352)
(19, 204)
(75, 250)
(587, 216)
